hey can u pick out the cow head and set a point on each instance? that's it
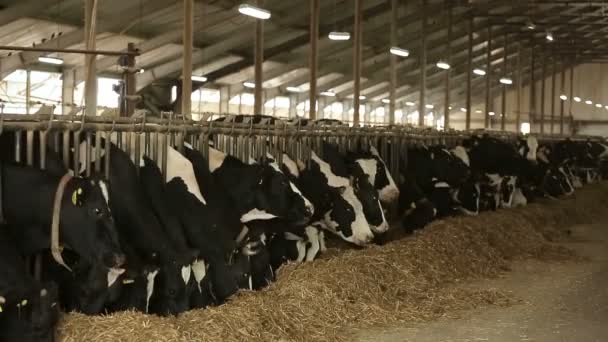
(87, 225)
(368, 194)
(169, 295)
(383, 180)
(507, 189)
(346, 217)
(446, 167)
(418, 215)
(467, 195)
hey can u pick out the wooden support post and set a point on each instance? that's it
(542, 95)
(187, 68)
(571, 94)
(519, 88)
(554, 71)
(130, 81)
(469, 74)
(314, 56)
(532, 109)
(422, 101)
(28, 90)
(488, 79)
(503, 118)
(90, 32)
(357, 63)
(561, 102)
(446, 105)
(393, 63)
(259, 59)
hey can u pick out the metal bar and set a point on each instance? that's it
(542, 95)
(571, 94)
(259, 59)
(314, 57)
(561, 102)
(422, 100)
(469, 74)
(187, 68)
(393, 63)
(488, 78)
(90, 61)
(553, 96)
(446, 113)
(357, 63)
(503, 118)
(532, 109)
(78, 51)
(519, 88)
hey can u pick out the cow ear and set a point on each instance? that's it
(77, 197)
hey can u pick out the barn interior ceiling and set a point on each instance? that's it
(563, 33)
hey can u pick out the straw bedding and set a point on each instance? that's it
(410, 279)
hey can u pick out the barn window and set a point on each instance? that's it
(45, 89)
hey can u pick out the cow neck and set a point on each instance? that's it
(55, 249)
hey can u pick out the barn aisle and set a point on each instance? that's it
(559, 302)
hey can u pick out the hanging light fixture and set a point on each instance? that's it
(443, 65)
(479, 72)
(335, 34)
(250, 85)
(491, 113)
(598, 105)
(530, 25)
(253, 11)
(409, 103)
(577, 99)
(506, 80)
(328, 93)
(198, 78)
(293, 89)
(549, 36)
(563, 97)
(399, 51)
(429, 106)
(589, 102)
(386, 101)
(50, 60)
(462, 109)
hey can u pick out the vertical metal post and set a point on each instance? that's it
(259, 59)
(314, 57)
(519, 88)
(187, 68)
(469, 74)
(503, 118)
(422, 101)
(488, 79)
(542, 95)
(130, 80)
(561, 102)
(67, 91)
(532, 109)
(553, 96)
(357, 62)
(90, 31)
(446, 113)
(28, 90)
(393, 63)
(571, 93)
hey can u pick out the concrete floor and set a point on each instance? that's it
(561, 303)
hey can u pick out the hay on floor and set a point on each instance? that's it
(405, 280)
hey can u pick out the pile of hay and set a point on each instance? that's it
(407, 280)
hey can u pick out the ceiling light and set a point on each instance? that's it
(387, 101)
(334, 35)
(506, 80)
(589, 102)
(50, 60)
(429, 106)
(530, 25)
(577, 99)
(491, 113)
(563, 97)
(399, 51)
(253, 11)
(249, 85)
(479, 72)
(450, 107)
(198, 78)
(598, 105)
(464, 110)
(549, 36)
(141, 71)
(443, 65)
(362, 97)
(606, 107)
(328, 93)
(478, 111)
(294, 89)
(409, 103)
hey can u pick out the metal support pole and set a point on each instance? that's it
(446, 112)
(553, 96)
(561, 102)
(259, 59)
(393, 63)
(519, 88)
(469, 75)
(542, 95)
(90, 32)
(503, 118)
(130, 79)
(28, 90)
(422, 101)
(532, 109)
(67, 91)
(488, 79)
(571, 93)
(187, 68)
(314, 56)
(357, 62)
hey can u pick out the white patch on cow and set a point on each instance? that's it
(369, 167)
(383, 227)
(332, 179)
(413, 205)
(291, 166)
(199, 269)
(186, 273)
(216, 159)
(468, 212)
(519, 200)
(461, 153)
(434, 211)
(301, 248)
(292, 237)
(104, 191)
(256, 214)
(532, 148)
(313, 238)
(512, 182)
(495, 179)
(322, 246)
(142, 163)
(150, 288)
(604, 154)
(179, 166)
(113, 274)
(441, 185)
(250, 283)
(361, 231)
